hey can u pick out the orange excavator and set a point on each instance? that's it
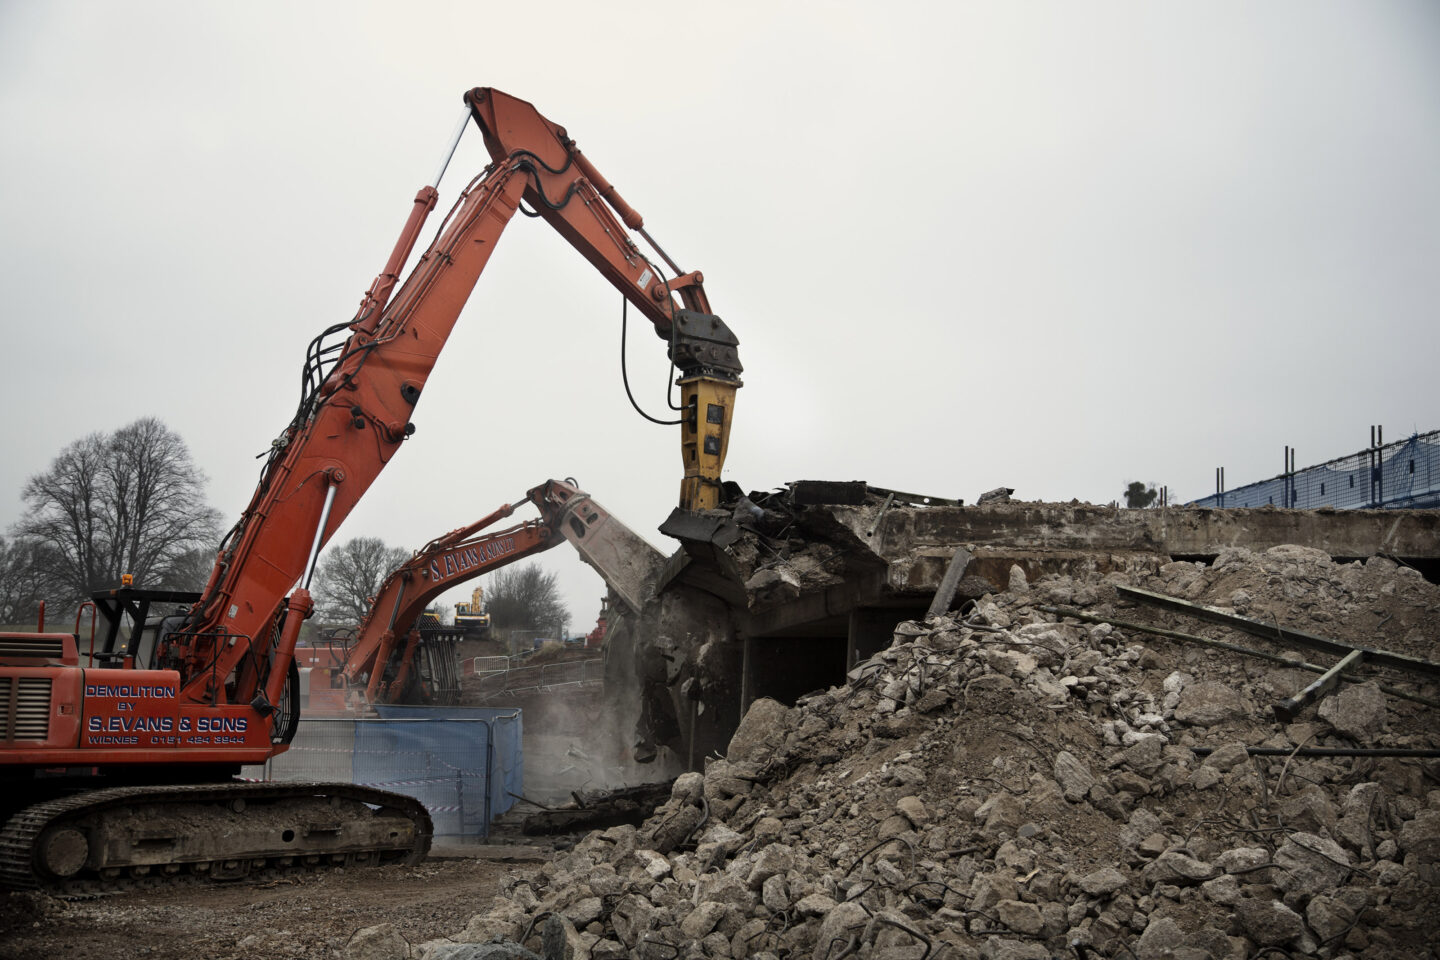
(385, 656)
(120, 764)
(397, 654)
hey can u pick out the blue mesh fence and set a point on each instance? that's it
(442, 745)
(1401, 475)
(463, 764)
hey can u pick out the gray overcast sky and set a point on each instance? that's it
(1054, 246)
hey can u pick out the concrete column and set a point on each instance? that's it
(871, 630)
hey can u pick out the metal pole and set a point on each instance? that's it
(949, 583)
(1380, 462)
(1222, 645)
(454, 142)
(319, 537)
(1289, 708)
(1326, 752)
(663, 255)
(1275, 632)
(460, 801)
(1370, 465)
(395, 610)
(1285, 482)
(489, 773)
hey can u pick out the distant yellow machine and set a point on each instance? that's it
(470, 618)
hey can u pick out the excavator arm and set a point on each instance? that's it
(622, 558)
(359, 395)
(563, 186)
(443, 563)
(408, 590)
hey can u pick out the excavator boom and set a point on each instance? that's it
(360, 410)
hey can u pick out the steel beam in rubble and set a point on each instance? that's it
(1273, 631)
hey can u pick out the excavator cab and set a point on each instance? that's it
(127, 625)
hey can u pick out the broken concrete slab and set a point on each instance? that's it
(810, 587)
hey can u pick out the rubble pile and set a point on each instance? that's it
(1011, 783)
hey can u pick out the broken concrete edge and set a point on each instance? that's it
(802, 570)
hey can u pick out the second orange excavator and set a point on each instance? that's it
(385, 656)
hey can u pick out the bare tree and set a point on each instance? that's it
(526, 597)
(23, 582)
(128, 502)
(189, 571)
(350, 575)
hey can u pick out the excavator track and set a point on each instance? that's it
(126, 836)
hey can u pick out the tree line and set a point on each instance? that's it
(127, 502)
(133, 501)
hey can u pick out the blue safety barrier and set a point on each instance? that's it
(465, 764)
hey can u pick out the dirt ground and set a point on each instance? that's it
(295, 918)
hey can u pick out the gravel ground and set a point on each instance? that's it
(300, 917)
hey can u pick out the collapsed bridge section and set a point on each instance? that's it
(800, 585)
